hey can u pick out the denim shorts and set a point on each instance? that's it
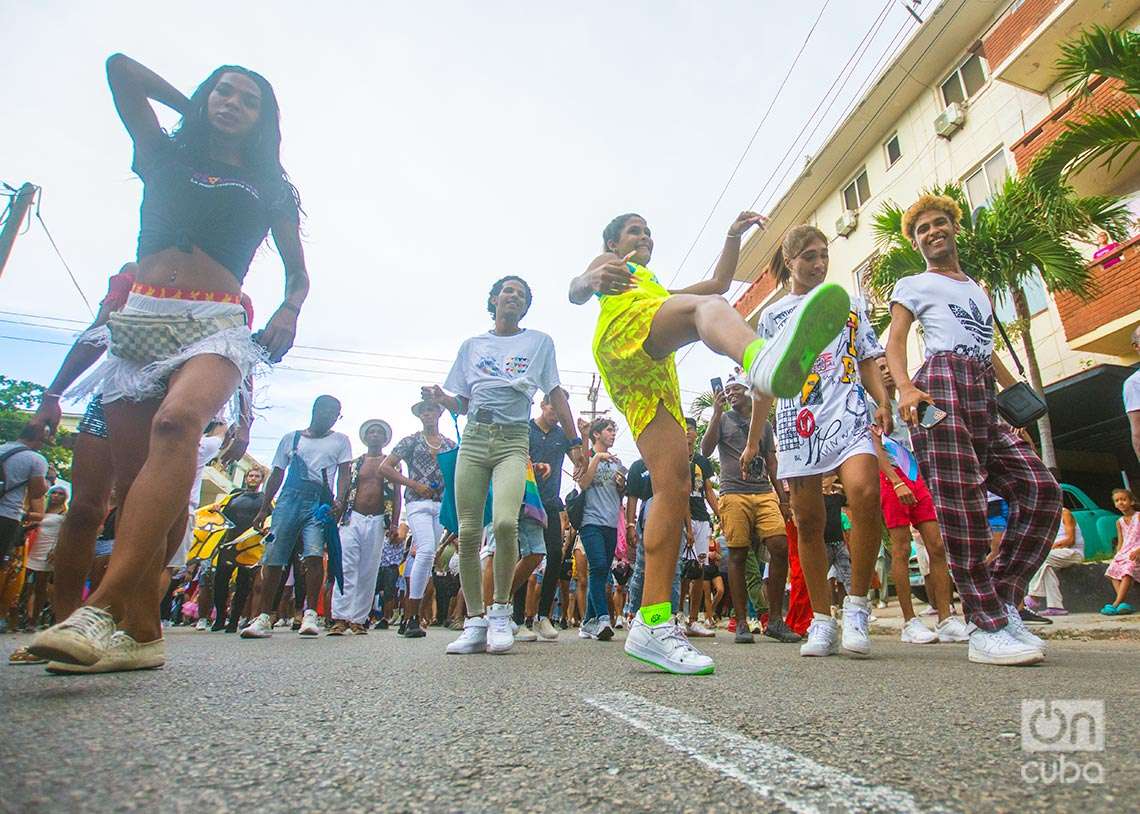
(293, 518)
(532, 537)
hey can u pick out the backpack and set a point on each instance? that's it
(576, 508)
(6, 487)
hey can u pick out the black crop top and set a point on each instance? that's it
(214, 206)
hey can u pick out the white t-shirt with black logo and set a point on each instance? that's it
(956, 315)
(827, 422)
(502, 373)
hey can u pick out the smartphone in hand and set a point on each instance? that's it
(929, 416)
(717, 385)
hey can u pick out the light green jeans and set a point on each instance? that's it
(492, 455)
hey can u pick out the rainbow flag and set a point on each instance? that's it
(903, 458)
(532, 501)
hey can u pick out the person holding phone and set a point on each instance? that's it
(973, 449)
(824, 428)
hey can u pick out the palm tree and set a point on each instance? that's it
(1106, 136)
(1024, 230)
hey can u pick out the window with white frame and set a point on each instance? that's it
(893, 150)
(984, 182)
(858, 192)
(965, 82)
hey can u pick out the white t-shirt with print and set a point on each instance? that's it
(502, 373)
(318, 454)
(208, 448)
(1132, 393)
(956, 315)
(822, 426)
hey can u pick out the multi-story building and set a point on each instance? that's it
(970, 97)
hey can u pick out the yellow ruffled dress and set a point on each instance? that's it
(636, 382)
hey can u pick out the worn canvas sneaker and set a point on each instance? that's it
(499, 636)
(822, 638)
(310, 625)
(698, 630)
(779, 631)
(259, 628)
(952, 629)
(915, 632)
(664, 646)
(785, 361)
(1001, 647)
(546, 631)
(81, 638)
(1020, 631)
(856, 639)
(604, 630)
(523, 633)
(473, 639)
(123, 653)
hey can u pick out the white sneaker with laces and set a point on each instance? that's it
(698, 630)
(856, 639)
(259, 628)
(81, 638)
(546, 631)
(664, 646)
(619, 622)
(1001, 647)
(915, 632)
(499, 636)
(588, 629)
(604, 631)
(1019, 630)
(822, 638)
(310, 625)
(786, 359)
(122, 653)
(203, 624)
(523, 633)
(953, 629)
(473, 639)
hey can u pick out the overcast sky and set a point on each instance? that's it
(436, 147)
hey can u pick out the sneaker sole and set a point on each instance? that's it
(309, 634)
(64, 649)
(247, 635)
(60, 668)
(704, 671)
(500, 651)
(817, 322)
(1008, 661)
(605, 634)
(857, 651)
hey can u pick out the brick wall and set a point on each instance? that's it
(760, 288)
(1012, 29)
(1117, 293)
(1107, 94)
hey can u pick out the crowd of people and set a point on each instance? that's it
(341, 544)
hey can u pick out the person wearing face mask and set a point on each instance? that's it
(826, 427)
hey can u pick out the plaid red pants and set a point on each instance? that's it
(971, 451)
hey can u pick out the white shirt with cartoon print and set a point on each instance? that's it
(502, 373)
(827, 422)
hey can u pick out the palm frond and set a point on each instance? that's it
(1112, 138)
(1101, 51)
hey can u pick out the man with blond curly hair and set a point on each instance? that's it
(972, 449)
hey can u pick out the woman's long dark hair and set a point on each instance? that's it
(261, 149)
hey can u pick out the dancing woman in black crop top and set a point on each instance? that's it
(180, 347)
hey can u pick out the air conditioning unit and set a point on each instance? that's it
(845, 224)
(950, 120)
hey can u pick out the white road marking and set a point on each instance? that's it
(775, 773)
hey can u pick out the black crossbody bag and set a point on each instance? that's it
(1020, 405)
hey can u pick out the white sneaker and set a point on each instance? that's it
(523, 633)
(915, 632)
(785, 361)
(953, 629)
(259, 628)
(81, 638)
(665, 646)
(1019, 631)
(473, 639)
(1001, 647)
(856, 639)
(203, 624)
(122, 653)
(499, 636)
(619, 622)
(588, 629)
(310, 626)
(822, 638)
(546, 631)
(698, 630)
(604, 631)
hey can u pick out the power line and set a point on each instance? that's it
(748, 146)
(58, 253)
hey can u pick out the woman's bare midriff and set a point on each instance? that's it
(173, 268)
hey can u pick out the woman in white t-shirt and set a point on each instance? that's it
(42, 544)
(826, 428)
(494, 379)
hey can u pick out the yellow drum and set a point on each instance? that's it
(210, 527)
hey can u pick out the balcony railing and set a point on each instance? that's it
(1103, 324)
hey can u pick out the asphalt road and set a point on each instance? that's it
(380, 723)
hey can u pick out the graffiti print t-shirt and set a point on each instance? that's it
(956, 315)
(827, 422)
(500, 374)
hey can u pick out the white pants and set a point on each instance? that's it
(423, 520)
(1045, 581)
(701, 532)
(361, 543)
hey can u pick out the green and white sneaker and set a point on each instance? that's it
(785, 361)
(664, 646)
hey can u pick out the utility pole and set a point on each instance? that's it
(592, 397)
(16, 211)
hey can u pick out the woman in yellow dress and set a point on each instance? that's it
(640, 327)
